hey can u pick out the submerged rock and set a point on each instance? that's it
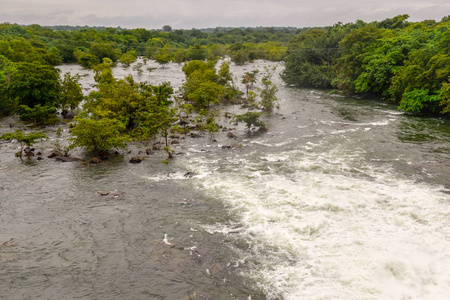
(103, 193)
(95, 160)
(190, 174)
(29, 154)
(67, 159)
(54, 154)
(231, 135)
(135, 160)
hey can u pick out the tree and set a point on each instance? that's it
(24, 139)
(251, 119)
(128, 57)
(420, 102)
(167, 28)
(7, 104)
(32, 84)
(445, 96)
(39, 115)
(99, 135)
(105, 51)
(268, 92)
(249, 79)
(71, 94)
(163, 55)
(86, 59)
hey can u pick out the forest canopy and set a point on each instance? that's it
(405, 63)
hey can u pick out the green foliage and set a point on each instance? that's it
(163, 55)
(99, 135)
(445, 96)
(310, 56)
(39, 115)
(251, 119)
(402, 62)
(268, 92)
(25, 139)
(206, 94)
(420, 101)
(202, 86)
(86, 59)
(71, 93)
(249, 79)
(128, 57)
(224, 74)
(31, 84)
(143, 109)
(104, 50)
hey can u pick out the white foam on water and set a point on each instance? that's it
(318, 232)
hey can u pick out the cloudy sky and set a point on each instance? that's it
(185, 14)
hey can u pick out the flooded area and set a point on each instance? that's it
(342, 198)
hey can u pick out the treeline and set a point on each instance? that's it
(88, 46)
(405, 63)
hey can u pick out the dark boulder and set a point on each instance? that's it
(54, 154)
(231, 135)
(135, 160)
(190, 174)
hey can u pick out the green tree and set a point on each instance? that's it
(105, 51)
(268, 92)
(99, 135)
(420, 102)
(31, 84)
(251, 119)
(86, 59)
(71, 93)
(128, 57)
(39, 115)
(25, 139)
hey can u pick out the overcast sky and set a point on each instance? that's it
(186, 14)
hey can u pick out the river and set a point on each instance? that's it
(343, 198)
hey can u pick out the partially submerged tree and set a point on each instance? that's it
(25, 139)
(71, 94)
(268, 93)
(99, 135)
(39, 115)
(251, 119)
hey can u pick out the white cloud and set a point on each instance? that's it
(206, 13)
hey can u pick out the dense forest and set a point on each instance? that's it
(406, 63)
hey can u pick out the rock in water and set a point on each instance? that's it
(135, 160)
(231, 135)
(95, 160)
(67, 159)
